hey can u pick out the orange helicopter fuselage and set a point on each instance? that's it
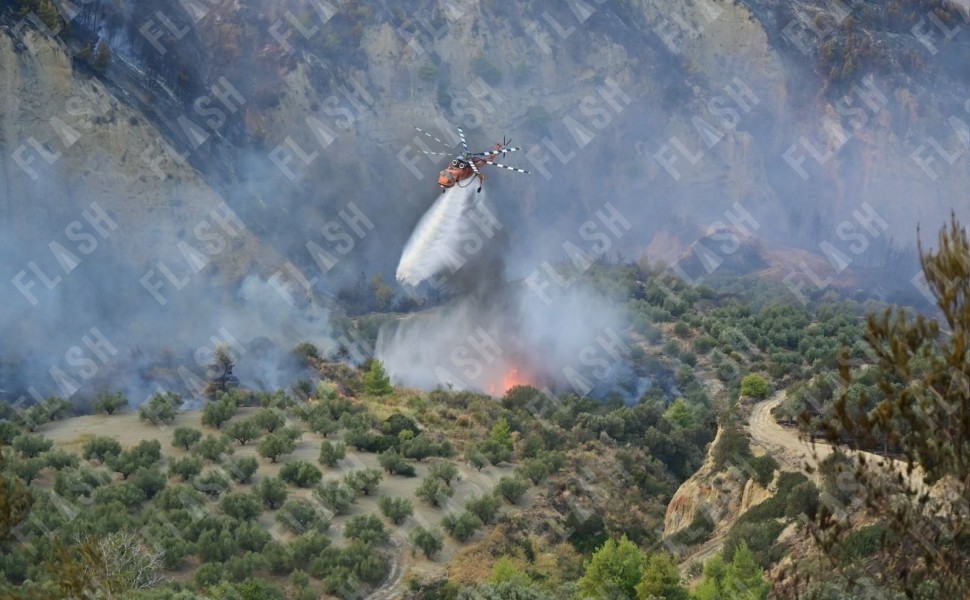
(459, 170)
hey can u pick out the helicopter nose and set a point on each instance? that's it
(446, 179)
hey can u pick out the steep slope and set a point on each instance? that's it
(70, 143)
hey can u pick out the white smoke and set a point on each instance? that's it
(567, 338)
(441, 239)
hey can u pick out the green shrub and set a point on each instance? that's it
(754, 386)
(760, 538)
(764, 468)
(461, 527)
(863, 542)
(300, 516)
(300, 473)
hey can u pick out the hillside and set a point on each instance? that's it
(594, 470)
(286, 320)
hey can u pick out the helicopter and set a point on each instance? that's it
(467, 165)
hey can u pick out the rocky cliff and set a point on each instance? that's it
(801, 113)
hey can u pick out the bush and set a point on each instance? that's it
(275, 445)
(179, 497)
(59, 460)
(252, 536)
(433, 490)
(495, 452)
(209, 574)
(396, 509)
(215, 414)
(363, 481)
(331, 453)
(733, 447)
(143, 455)
(160, 408)
(216, 546)
(365, 441)
(27, 468)
(421, 447)
(150, 480)
(239, 568)
(803, 499)
(271, 492)
(444, 471)
(30, 446)
(269, 420)
(243, 431)
(376, 381)
(534, 469)
(704, 344)
(754, 386)
(212, 448)
(323, 425)
(279, 558)
(760, 538)
(764, 468)
(241, 506)
(301, 473)
(108, 403)
(461, 527)
(241, 469)
(185, 437)
(864, 542)
(335, 496)
(395, 464)
(300, 516)
(484, 507)
(8, 431)
(511, 488)
(366, 528)
(477, 459)
(397, 423)
(211, 483)
(185, 468)
(429, 541)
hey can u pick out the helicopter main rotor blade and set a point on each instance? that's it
(495, 164)
(446, 145)
(495, 152)
(436, 153)
(464, 145)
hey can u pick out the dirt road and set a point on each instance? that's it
(788, 448)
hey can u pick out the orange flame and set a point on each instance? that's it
(511, 379)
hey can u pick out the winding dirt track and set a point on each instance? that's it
(393, 584)
(785, 442)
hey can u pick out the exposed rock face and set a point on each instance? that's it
(672, 112)
(719, 496)
(716, 495)
(70, 143)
